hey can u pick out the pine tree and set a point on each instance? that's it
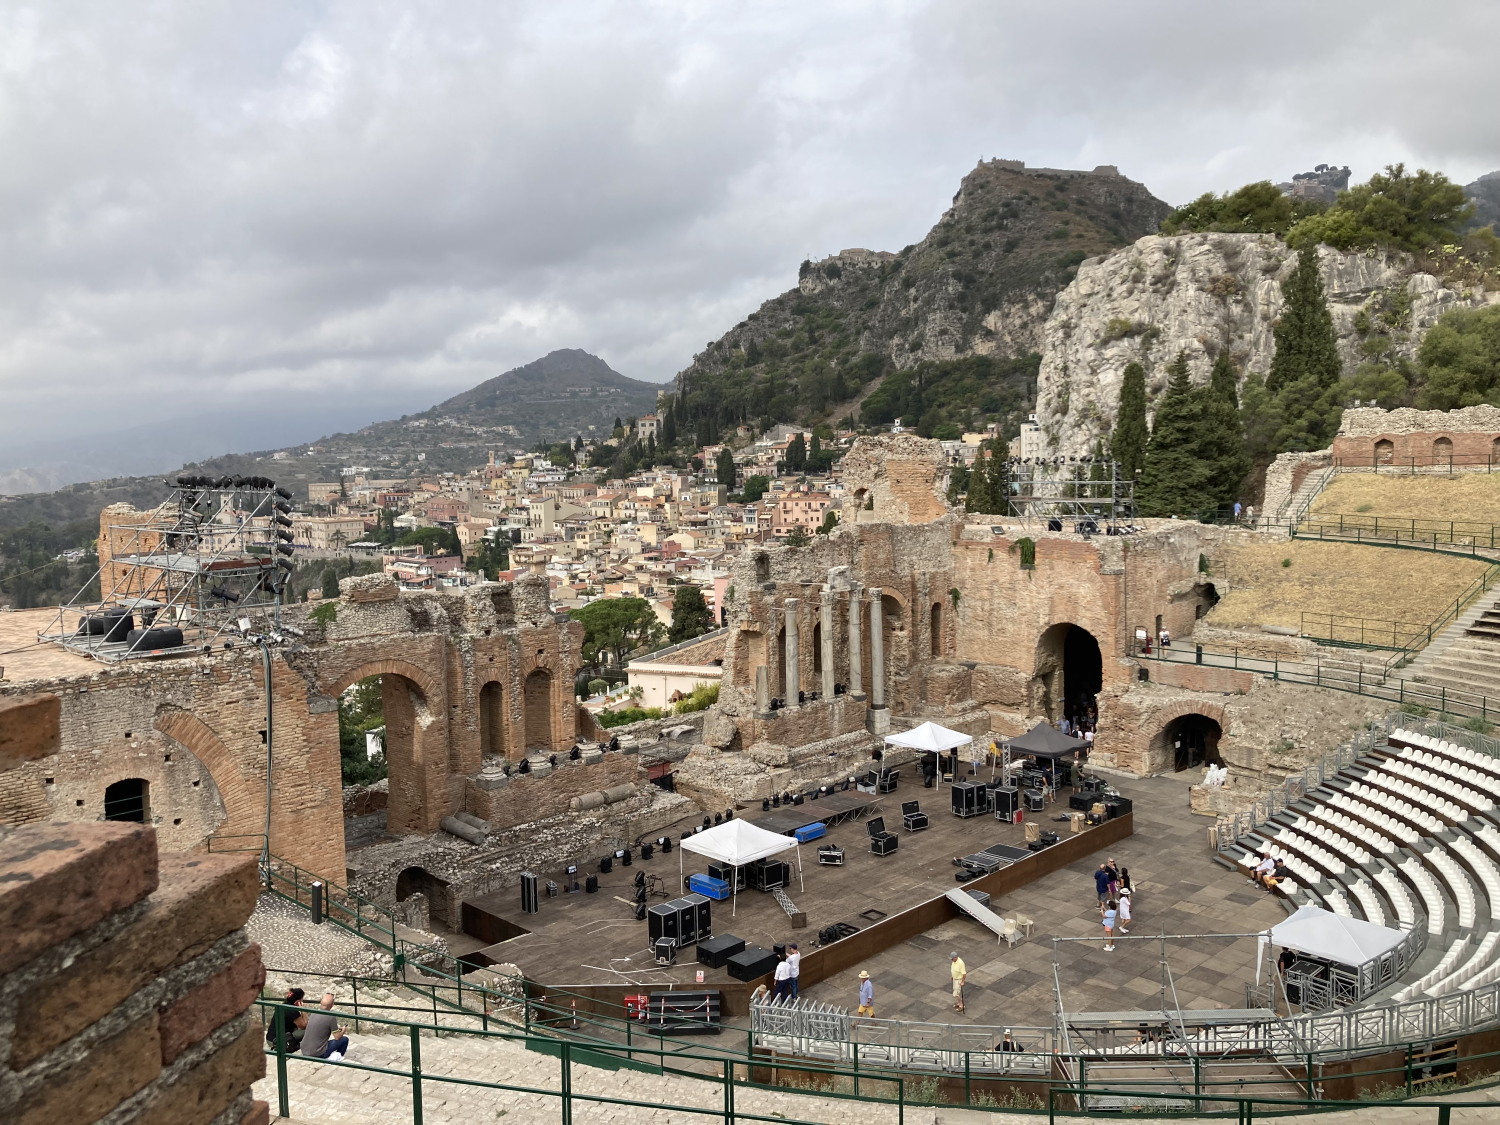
(669, 425)
(691, 616)
(1306, 368)
(1128, 443)
(1222, 442)
(815, 454)
(1176, 480)
(724, 469)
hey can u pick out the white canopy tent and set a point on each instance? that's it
(737, 843)
(930, 738)
(1332, 937)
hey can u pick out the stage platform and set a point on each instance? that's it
(833, 809)
(594, 939)
(1179, 890)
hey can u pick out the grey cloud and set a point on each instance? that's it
(206, 204)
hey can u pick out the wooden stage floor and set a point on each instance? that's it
(594, 939)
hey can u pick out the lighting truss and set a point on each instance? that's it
(212, 561)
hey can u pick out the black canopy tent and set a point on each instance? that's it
(1046, 741)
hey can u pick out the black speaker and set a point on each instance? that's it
(625, 858)
(591, 885)
(1054, 524)
(666, 845)
(606, 865)
(529, 901)
(646, 850)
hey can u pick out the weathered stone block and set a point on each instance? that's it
(58, 880)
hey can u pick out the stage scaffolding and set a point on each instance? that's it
(1088, 493)
(210, 564)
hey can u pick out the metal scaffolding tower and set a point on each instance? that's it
(1090, 493)
(208, 565)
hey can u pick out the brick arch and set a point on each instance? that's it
(243, 797)
(419, 677)
(1164, 716)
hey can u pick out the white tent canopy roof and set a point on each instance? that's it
(1332, 937)
(930, 736)
(736, 842)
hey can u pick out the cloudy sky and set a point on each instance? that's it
(352, 208)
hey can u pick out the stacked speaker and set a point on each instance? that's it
(530, 903)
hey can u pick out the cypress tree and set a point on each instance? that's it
(815, 454)
(669, 425)
(724, 468)
(978, 499)
(1222, 443)
(999, 478)
(796, 454)
(1306, 368)
(1128, 443)
(1176, 480)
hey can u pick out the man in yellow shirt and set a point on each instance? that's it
(959, 971)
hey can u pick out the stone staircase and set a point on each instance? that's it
(1463, 659)
(1298, 503)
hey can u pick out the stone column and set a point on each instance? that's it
(877, 651)
(793, 679)
(763, 689)
(827, 646)
(856, 644)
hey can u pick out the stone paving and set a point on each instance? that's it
(1179, 890)
(288, 939)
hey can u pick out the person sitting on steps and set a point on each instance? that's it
(324, 1038)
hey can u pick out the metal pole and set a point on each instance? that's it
(729, 1092)
(567, 1082)
(283, 1106)
(416, 1076)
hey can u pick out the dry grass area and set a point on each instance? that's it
(1339, 578)
(1472, 497)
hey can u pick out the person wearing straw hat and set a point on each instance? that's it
(866, 995)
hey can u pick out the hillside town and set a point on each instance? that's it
(642, 536)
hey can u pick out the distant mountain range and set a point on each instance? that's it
(563, 394)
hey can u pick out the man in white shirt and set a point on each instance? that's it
(783, 980)
(794, 963)
(1263, 869)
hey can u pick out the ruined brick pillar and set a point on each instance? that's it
(793, 676)
(125, 980)
(856, 646)
(826, 620)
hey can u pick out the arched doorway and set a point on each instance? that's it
(1442, 451)
(1385, 451)
(935, 629)
(894, 635)
(538, 705)
(1069, 671)
(418, 880)
(394, 698)
(491, 720)
(128, 799)
(1188, 741)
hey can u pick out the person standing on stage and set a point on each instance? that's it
(866, 996)
(1101, 886)
(783, 990)
(794, 964)
(960, 972)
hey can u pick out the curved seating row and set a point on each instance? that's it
(1444, 786)
(1354, 807)
(1471, 776)
(1346, 824)
(1397, 806)
(1444, 812)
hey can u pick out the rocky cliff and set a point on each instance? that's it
(1204, 293)
(980, 283)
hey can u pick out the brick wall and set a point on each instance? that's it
(125, 980)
